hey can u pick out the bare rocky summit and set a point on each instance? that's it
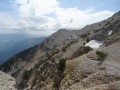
(63, 61)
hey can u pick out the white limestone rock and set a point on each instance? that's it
(7, 82)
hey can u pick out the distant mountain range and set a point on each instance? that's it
(12, 44)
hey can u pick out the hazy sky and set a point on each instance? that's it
(44, 17)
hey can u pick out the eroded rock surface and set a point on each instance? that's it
(7, 82)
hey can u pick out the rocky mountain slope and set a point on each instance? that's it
(66, 60)
(7, 82)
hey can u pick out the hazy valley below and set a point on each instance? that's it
(12, 44)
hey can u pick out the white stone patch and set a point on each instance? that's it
(110, 32)
(94, 44)
(74, 36)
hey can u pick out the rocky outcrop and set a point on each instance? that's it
(7, 82)
(86, 71)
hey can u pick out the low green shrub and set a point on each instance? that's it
(87, 40)
(96, 30)
(62, 64)
(80, 51)
(26, 74)
(84, 36)
(85, 49)
(63, 49)
(107, 23)
(101, 55)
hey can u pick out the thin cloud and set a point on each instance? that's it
(48, 15)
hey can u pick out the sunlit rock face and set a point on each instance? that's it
(7, 82)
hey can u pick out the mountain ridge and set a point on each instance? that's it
(39, 68)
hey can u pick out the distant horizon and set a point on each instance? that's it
(38, 35)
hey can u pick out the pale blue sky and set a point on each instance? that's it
(113, 5)
(5, 6)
